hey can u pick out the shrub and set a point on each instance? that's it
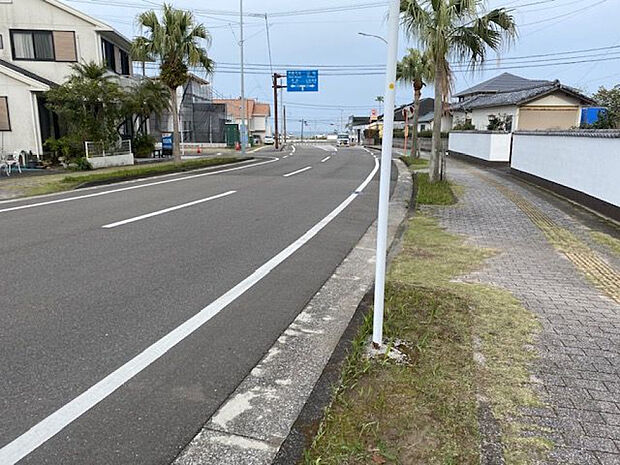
(428, 134)
(143, 145)
(82, 164)
(466, 125)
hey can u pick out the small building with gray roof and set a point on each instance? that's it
(523, 104)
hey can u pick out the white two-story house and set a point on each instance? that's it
(39, 41)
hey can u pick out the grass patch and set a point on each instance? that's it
(415, 163)
(605, 239)
(56, 183)
(438, 193)
(147, 170)
(426, 412)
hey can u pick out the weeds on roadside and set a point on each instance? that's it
(425, 412)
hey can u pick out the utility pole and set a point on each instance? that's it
(276, 86)
(303, 122)
(386, 166)
(284, 121)
(283, 138)
(244, 108)
(275, 110)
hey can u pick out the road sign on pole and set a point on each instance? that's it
(386, 165)
(302, 81)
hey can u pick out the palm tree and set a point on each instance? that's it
(453, 29)
(175, 43)
(148, 97)
(380, 99)
(415, 69)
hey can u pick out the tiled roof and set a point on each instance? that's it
(518, 97)
(505, 82)
(426, 105)
(427, 118)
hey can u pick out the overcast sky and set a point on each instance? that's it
(331, 38)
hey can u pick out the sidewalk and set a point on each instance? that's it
(551, 261)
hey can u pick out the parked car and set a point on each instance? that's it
(269, 140)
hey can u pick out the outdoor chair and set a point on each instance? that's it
(4, 166)
(14, 161)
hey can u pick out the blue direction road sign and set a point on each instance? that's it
(302, 81)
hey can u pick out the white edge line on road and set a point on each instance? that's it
(325, 159)
(298, 171)
(129, 181)
(140, 186)
(64, 416)
(166, 210)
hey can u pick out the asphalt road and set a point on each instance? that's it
(91, 280)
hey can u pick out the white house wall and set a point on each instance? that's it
(586, 164)
(480, 116)
(24, 133)
(38, 14)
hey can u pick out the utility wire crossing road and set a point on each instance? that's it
(123, 355)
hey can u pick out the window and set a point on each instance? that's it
(108, 55)
(5, 121)
(115, 59)
(33, 45)
(124, 63)
(1, 43)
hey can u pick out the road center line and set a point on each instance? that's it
(166, 210)
(129, 188)
(325, 159)
(298, 171)
(64, 416)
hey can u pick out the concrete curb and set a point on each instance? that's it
(251, 426)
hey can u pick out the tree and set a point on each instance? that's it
(610, 99)
(415, 69)
(453, 29)
(380, 100)
(175, 43)
(90, 105)
(148, 97)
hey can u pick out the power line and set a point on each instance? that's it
(563, 15)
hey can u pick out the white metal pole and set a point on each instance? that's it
(386, 165)
(244, 108)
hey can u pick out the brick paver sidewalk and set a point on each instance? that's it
(546, 253)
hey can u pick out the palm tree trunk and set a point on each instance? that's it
(435, 168)
(176, 137)
(415, 149)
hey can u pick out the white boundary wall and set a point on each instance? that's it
(112, 160)
(485, 145)
(585, 161)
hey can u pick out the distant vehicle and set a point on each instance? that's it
(255, 139)
(343, 140)
(269, 140)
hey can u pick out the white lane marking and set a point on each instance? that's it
(293, 149)
(140, 186)
(166, 210)
(327, 148)
(64, 416)
(298, 171)
(325, 159)
(285, 156)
